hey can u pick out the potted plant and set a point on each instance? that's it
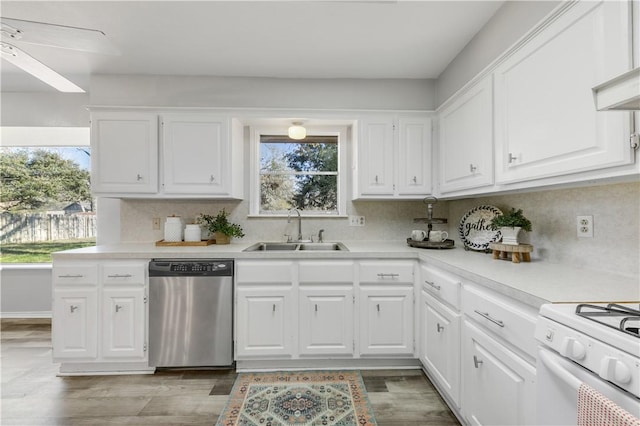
(220, 227)
(510, 224)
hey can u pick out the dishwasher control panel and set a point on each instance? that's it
(176, 267)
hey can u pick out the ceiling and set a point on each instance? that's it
(288, 39)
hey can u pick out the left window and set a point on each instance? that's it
(46, 202)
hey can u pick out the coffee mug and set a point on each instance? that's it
(418, 235)
(438, 236)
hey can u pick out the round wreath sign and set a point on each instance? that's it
(475, 228)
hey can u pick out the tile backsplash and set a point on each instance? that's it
(615, 209)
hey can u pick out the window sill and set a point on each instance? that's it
(285, 216)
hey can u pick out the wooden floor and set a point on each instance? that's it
(32, 394)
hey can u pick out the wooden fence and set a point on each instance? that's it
(35, 227)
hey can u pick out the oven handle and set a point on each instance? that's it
(557, 369)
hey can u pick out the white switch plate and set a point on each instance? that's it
(584, 226)
(356, 220)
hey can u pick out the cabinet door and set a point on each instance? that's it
(414, 156)
(123, 322)
(545, 119)
(499, 387)
(466, 140)
(196, 156)
(264, 322)
(124, 153)
(75, 324)
(375, 157)
(440, 348)
(326, 320)
(386, 320)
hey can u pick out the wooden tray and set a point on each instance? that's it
(446, 244)
(184, 243)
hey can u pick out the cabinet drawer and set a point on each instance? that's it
(326, 272)
(75, 275)
(256, 272)
(123, 273)
(441, 285)
(505, 317)
(386, 272)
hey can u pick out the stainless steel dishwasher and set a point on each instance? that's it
(190, 312)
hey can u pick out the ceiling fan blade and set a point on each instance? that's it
(36, 68)
(65, 37)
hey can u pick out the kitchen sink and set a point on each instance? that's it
(279, 246)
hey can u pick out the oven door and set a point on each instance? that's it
(557, 389)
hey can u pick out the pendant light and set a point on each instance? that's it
(296, 131)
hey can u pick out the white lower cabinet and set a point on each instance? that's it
(386, 320)
(75, 323)
(440, 346)
(499, 386)
(123, 320)
(325, 319)
(100, 316)
(265, 321)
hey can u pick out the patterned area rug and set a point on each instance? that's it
(300, 398)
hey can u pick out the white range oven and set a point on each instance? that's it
(586, 352)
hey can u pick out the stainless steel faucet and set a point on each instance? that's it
(299, 222)
(320, 235)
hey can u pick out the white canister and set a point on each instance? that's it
(173, 229)
(192, 233)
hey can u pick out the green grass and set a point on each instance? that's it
(39, 252)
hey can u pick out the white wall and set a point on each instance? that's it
(130, 90)
(26, 291)
(510, 23)
(33, 109)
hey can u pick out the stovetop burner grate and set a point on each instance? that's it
(625, 314)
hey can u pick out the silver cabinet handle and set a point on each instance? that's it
(415, 179)
(487, 316)
(70, 276)
(376, 179)
(138, 177)
(378, 307)
(383, 276)
(439, 327)
(120, 276)
(512, 158)
(274, 307)
(472, 168)
(73, 308)
(118, 308)
(433, 285)
(316, 307)
(477, 361)
(212, 179)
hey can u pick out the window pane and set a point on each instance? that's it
(46, 202)
(299, 174)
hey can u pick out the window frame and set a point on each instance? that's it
(340, 131)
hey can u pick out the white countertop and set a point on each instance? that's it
(533, 283)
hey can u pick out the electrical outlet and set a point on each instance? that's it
(584, 225)
(356, 220)
(155, 223)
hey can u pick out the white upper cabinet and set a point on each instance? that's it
(546, 122)
(197, 155)
(124, 157)
(414, 152)
(465, 143)
(393, 157)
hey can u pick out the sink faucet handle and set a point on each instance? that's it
(288, 237)
(320, 235)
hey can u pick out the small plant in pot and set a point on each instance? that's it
(220, 227)
(510, 225)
